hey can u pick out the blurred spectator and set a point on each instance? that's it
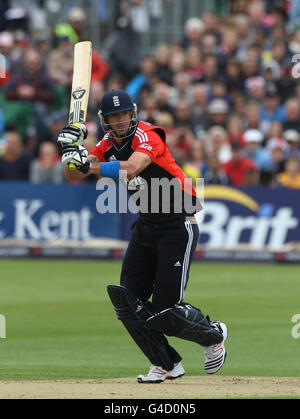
(149, 112)
(211, 23)
(183, 88)
(251, 115)
(278, 150)
(292, 110)
(6, 47)
(14, 162)
(162, 58)
(219, 91)
(47, 167)
(97, 90)
(294, 12)
(55, 123)
(198, 108)
(250, 70)
(43, 44)
(22, 43)
(256, 14)
(199, 98)
(238, 103)
(182, 114)
(139, 15)
(16, 17)
(162, 93)
(195, 165)
(296, 93)
(292, 138)
(291, 175)
(180, 144)
(254, 149)
(209, 43)
(60, 62)
(252, 177)
(122, 44)
(217, 113)
(74, 28)
(294, 44)
(30, 82)
(235, 129)
(177, 61)
(115, 81)
(216, 143)
(7, 43)
(238, 166)
(214, 174)
(99, 67)
(245, 35)
(275, 130)
(271, 72)
(2, 122)
(229, 44)
(193, 30)
(271, 110)
(210, 70)
(166, 121)
(194, 66)
(255, 86)
(77, 20)
(144, 77)
(280, 53)
(4, 5)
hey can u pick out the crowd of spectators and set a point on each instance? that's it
(227, 92)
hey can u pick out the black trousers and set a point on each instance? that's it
(157, 262)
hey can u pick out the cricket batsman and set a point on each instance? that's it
(160, 251)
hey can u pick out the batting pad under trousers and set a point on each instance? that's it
(157, 263)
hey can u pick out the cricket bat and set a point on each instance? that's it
(82, 66)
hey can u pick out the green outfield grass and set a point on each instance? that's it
(60, 323)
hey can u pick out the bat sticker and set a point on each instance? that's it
(78, 94)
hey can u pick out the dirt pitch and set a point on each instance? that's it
(128, 388)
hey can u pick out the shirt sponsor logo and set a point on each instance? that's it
(146, 147)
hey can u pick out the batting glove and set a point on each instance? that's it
(76, 155)
(72, 134)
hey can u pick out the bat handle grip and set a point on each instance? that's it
(72, 166)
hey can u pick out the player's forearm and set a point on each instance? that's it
(131, 169)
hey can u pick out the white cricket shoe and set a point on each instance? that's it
(215, 355)
(176, 372)
(158, 375)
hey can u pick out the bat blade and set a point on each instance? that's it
(82, 66)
